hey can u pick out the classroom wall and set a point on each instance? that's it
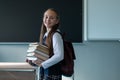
(97, 61)
(101, 19)
(94, 60)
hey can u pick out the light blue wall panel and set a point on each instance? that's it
(94, 60)
(103, 19)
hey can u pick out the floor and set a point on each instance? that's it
(67, 78)
(7, 75)
(14, 75)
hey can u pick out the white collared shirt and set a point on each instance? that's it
(58, 50)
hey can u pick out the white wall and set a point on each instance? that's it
(97, 61)
(94, 60)
(13, 52)
(102, 19)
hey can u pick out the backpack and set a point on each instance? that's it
(67, 64)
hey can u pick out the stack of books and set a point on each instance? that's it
(37, 51)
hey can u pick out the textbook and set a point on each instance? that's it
(37, 51)
(38, 47)
(43, 49)
(41, 57)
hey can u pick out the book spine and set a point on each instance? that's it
(43, 50)
(41, 53)
(40, 57)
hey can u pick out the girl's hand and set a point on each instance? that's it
(38, 62)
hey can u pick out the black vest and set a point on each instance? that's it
(55, 69)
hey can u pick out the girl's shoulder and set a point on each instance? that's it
(57, 34)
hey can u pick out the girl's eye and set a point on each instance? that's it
(52, 18)
(46, 17)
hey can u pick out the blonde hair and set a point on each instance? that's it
(43, 31)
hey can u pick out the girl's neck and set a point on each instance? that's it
(48, 30)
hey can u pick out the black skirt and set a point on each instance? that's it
(51, 73)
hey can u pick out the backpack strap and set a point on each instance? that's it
(65, 41)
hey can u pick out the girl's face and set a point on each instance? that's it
(50, 19)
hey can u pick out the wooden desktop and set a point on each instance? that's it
(18, 71)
